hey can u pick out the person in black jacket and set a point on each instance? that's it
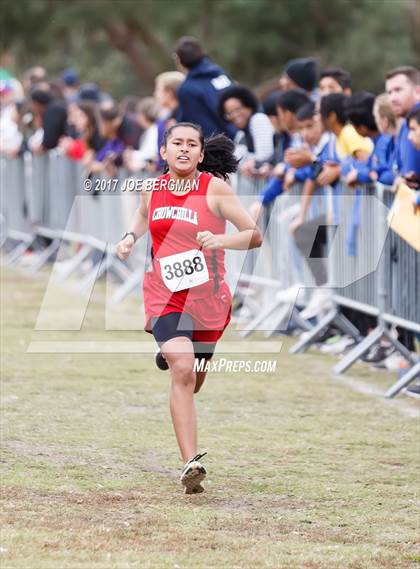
(52, 116)
(199, 94)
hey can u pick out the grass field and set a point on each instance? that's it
(304, 472)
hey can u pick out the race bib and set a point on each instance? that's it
(184, 270)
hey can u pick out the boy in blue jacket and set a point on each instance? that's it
(413, 121)
(379, 167)
(287, 105)
(321, 145)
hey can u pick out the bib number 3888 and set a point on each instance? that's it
(184, 270)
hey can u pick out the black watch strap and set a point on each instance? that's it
(129, 233)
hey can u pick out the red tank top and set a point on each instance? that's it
(174, 221)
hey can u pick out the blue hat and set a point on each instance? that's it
(70, 77)
(89, 92)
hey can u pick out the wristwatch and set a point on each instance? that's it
(129, 233)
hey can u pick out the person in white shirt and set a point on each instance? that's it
(11, 137)
(146, 155)
(254, 138)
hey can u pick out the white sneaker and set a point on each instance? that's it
(290, 294)
(394, 362)
(193, 474)
(413, 391)
(28, 258)
(320, 302)
(338, 347)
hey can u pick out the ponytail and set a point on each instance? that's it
(219, 158)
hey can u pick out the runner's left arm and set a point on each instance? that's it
(230, 208)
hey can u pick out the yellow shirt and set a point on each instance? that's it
(348, 142)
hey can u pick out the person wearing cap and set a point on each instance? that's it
(71, 84)
(301, 73)
(89, 92)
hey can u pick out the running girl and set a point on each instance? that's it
(187, 302)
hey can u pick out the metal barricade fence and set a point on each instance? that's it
(277, 270)
(45, 196)
(242, 262)
(366, 277)
(369, 268)
(283, 263)
(378, 248)
(356, 251)
(15, 224)
(64, 183)
(13, 199)
(38, 189)
(404, 277)
(374, 293)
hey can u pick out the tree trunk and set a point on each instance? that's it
(125, 40)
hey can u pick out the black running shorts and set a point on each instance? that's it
(176, 324)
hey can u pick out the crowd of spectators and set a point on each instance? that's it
(311, 129)
(369, 137)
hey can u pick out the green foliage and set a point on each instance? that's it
(252, 39)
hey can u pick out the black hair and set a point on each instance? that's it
(359, 110)
(306, 112)
(333, 103)
(219, 158)
(414, 115)
(109, 113)
(128, 104)
(270, 104)
(292, 100)
(245, 95)
(189, 51)
(41, 96)
(92, 134)
(342, 76)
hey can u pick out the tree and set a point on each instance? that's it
(124, 44)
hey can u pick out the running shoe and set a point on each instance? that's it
(161, 362)
(193, 474)
(319, 302)
(377, 353)
(338, 346)
(394, 362)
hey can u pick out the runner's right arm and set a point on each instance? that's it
(138, 226)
